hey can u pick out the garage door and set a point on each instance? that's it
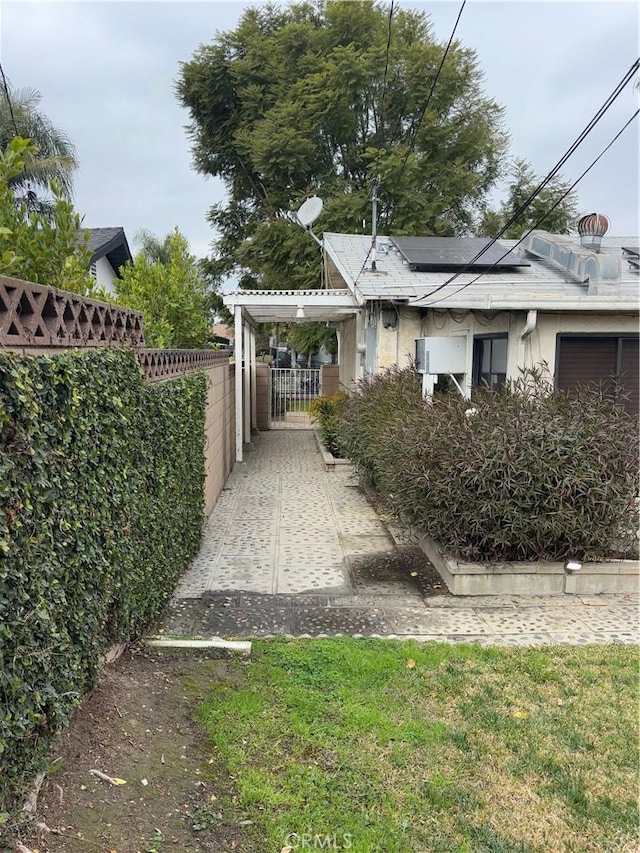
(588, 359)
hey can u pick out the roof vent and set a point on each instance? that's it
(578, 262)
(592, 229)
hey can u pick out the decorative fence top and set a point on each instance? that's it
(32, 315)
(159, 364)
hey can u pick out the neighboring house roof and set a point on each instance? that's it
(221, 330)
(109, 243)
(539, 285)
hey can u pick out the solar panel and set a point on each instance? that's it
(454, 253)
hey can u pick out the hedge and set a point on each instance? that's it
(101, 510)
(531, 473)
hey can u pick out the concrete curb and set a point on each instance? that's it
(215, 644)
(530, 578)
(330, 461)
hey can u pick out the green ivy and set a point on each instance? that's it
(101, 510)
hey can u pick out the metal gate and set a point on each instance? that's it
(292, 390)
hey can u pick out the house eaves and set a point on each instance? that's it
(109, 243)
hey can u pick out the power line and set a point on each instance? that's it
(375, 183)
(384, 90)
(8, 97)
(527, 203)
(538, 222)
(416, 126)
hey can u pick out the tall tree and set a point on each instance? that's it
(306, 99)
(154, 248)
(172, 294)
(562, 219)
(54, 156)
(309, 338)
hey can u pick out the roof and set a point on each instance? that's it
(109, 243)
(534, 286)
(222, 330)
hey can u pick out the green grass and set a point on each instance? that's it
(294, 405)
(470, 749)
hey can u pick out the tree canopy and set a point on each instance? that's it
(309, 338)
(305, 99)
(561, 220)
(52, 156)
(170, 291)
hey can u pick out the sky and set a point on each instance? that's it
(106, 72)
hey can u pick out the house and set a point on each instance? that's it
(570, 303)
(567, 302)
(109, 252)
(222, 334)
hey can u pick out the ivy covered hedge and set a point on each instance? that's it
(101, 510)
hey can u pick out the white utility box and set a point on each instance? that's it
(435, 356)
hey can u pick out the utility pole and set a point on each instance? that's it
(374, 223)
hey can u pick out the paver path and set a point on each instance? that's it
(293, 549)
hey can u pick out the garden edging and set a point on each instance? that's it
(530, 578)
(330, 461)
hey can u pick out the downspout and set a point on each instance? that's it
(525, 334)
(530, 325)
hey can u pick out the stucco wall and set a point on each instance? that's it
(397, 346)
(263, 395)
(329, 379)
(219, 438)
(539, 347)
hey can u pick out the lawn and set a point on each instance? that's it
(368, 746)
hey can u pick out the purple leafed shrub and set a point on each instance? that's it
(527, 474)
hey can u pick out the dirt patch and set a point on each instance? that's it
(138, 725)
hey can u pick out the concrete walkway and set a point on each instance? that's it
(291, 549)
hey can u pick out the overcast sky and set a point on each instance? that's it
(106, 73)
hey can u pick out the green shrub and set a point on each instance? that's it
(101, 510)
(325, 412)
(528, 474)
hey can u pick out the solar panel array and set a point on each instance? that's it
(450, 254)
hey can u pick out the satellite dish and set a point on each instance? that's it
(309, 211)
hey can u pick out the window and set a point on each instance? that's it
(585, 359)
(490, 361)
